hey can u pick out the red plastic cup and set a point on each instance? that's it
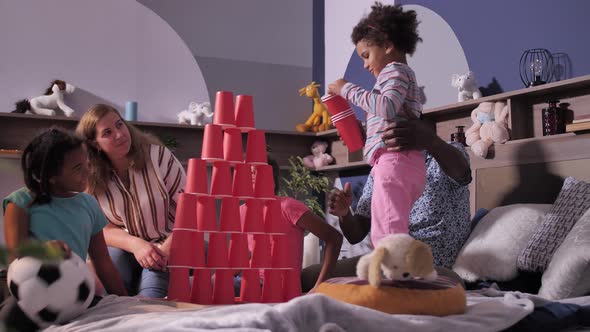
(273, 218)
(232, 145)
(179, 287)
(280, 253)
(345, 121)
(217, 252)
(272, 288)
(187, 249)
(196, 177)
(250, 286)
(291, 284)
(229, 219)
(264, 185)
(186, 216)
(261, 252)
(242, 184)
(223, 113)
(253, 217)
(212, 143)
(223, 287)
(245, 113)
(221, 179)
(256, 147)
(238, 251)
(206, 217)
(201, 292)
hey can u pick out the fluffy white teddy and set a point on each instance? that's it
(467, 86)
(196, 114)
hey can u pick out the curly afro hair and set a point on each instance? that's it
(388, 23)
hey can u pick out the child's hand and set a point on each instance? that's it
(335, 87)
(339, 201)
(61, 246)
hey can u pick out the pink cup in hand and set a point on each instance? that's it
(345, 121)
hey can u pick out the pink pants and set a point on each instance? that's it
(399, 179)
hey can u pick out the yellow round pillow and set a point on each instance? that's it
(441, 297)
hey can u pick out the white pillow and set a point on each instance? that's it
(568, 273)
(491, 251)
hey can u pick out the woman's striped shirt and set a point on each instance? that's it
(147, 208)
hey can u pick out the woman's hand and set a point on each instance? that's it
(408, 135)
(339, 201)
(335, 87)
(61, 246)
(149, 256)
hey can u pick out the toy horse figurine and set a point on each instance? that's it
(320, 118)
(49, 102)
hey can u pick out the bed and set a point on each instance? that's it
(530, 172)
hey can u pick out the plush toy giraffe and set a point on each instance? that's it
(320, 118)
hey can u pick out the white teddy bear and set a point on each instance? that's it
(318, 157)
(196, 114)
(467, 86)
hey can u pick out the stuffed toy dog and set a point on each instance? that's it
(48, 103)
(398, 257)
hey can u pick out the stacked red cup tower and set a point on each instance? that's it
(262, 221)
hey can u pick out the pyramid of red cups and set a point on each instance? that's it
(228, 253)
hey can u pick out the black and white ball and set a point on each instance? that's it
(51, 292)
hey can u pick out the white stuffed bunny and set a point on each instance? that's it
(196, 114)
(47, 104)
(467, 86)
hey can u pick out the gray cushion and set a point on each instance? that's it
(573, 200)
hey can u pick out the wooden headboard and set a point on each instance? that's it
(529, 171)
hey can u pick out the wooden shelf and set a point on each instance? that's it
(342, 167)
(545, 90)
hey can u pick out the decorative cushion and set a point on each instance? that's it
(568, 273)
(491, 251)
(441, 297)
(573, 200)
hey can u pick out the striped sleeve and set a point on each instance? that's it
(386, 103)
(173, 175)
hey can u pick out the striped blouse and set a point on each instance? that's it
(395, 96)
(147, 209)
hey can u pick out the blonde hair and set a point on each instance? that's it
(100, 165)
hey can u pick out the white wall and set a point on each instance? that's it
(112, 50)
(437, 58)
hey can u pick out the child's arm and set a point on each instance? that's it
(105, 269)
(16, 225)
(330, 235)
(387, 103)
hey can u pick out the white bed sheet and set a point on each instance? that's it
(487, 310)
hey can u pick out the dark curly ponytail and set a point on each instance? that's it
(388, 23)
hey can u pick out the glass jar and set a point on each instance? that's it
(459, 136)
(553, 119)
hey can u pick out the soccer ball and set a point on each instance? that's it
(51, 292)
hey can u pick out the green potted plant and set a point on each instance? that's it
(302, 184)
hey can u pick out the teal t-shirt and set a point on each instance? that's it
(73, 220)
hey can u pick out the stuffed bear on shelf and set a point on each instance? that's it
(318, 157)
(467, 86)
(490, 125)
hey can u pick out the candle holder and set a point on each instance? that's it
(536, 67)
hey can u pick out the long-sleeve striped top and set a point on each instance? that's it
(147, 209)
(396, 96)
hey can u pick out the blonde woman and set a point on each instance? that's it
(136, 182)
